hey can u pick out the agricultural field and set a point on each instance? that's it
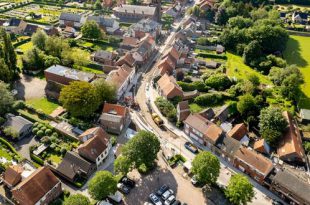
(298, 52)
(43, 13)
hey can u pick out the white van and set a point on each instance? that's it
(117, 197)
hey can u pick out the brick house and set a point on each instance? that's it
(114, 118)
(183, 111)
(168, 88)
(12, 175)
(70, 19)
(96, 145)
(290, 148)
(145, 49)
(40, 188)
(253, 164)
(202, 130)
(104, 57)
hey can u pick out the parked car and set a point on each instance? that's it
(170, 200)
(128, 182)
(104, 202)
(154, 199)
(167, 194)
(117, 197)
(162, 190)
(192, 148)
(123, 188)
(275, 202)
(194, 180)
(176, 202)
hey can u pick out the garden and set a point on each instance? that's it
(8, 154)
(52, 147)
(43, 104)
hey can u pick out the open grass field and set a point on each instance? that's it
(236, 68)
(44, 104)
(298, 52)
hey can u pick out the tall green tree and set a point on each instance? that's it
(142, 149)
(77, 199)
(91, 30)
(38, 39)
(239, 190)
(6, 98)
(102, 185)
(272, 124)
(206, 167)
(8, 51)
(80, 98)
(246, 105)
(33, 60)
(122, 165)
(106, 91)
(5, 73)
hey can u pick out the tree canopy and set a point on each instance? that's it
(102, 185)
(38, 39)
(272, 125)
(106, 91)
(80, 98)
(206, 167)
(6, 98)
(91, 30)
(239, 190)
(77, 199)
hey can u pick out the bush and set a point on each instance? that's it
(143, 169)
(35, 130)
(19, 105)
(166, 108)
(12, 149)
(43, 129)
(2, 120)
(218, 81)
(40, 133)
(45, 140)
(37, 159)
(209, 99)
(48, 132)
(213, 56)
(113, 140)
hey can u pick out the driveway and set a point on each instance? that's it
(29, 87)
(24, 144)
(163, 174)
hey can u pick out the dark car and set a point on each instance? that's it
(128, 182)
(162, 190)
(176, 202)
(123, 188)
(191, 147)
(275, 202)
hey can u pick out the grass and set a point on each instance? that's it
(194, 108)
(25, 47)
(5, 154)
(91, 70)
(55, 158)
(298, 52)
(44, 104)
(236, 68)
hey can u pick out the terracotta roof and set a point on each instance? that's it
(238, 131)
(173, 53)
(94, 146)
(204, 126)
(115, 109)
(291, 142)
(131, 41)
(169, 87)
(259, 146)
(12, 175)
(119, 76)
(168, 63)
(32, 189)
(183, 105)
(255, 160)
(183, 110)
(126, 59)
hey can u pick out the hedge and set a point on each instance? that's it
(21, 42)
(209, 99)
(30, 117)
(36, 159)
(210, 55)
(2, 140)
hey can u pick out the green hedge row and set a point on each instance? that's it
(36, 159)
(21, 42)
(2, 140)
(210, 55)
(30, 117)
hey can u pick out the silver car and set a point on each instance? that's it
(167, 193)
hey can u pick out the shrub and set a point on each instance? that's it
(43, 128)
(55, 135)
(35, 130)
(218, 82)
(48, 132)
(40, 133)
(19, 105)
(209, 99)
(37, 159)
(2, 120)
(45, 140)
(143, 169)
(35, 124)
(113, 140)
(40, 125)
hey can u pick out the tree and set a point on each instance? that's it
(38, 39)
(142, 149)
(54, 46)
(74, 57)
(206, 167)
(79, 98)
(218, 81)
(254, 79)
(77, 199)
(33, 59)
(98, 5)
(106, 91)
(102, 185)
(6, 99)
(239, 190)
(122, 165)
(272, 124)
(9, 131)
(91, 30)
(251, 53)
(8, 52)
(246, 105)
(5, 73)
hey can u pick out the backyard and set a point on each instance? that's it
(43, 104)
(298, 52)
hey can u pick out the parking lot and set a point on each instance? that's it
(163, 174)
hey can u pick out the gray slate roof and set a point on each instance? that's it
(103, 21)
(131, 9)
(70, 73)
(229, 145)
(293, 183)
(70, 17)
(145, 25)
(72, 165)
(18, 123)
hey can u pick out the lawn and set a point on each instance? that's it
(44, 104)
(236, 68)
(194, 108)
(91, 70)
(25, 47)
(298, 52)
(55, 158)
(5, 154)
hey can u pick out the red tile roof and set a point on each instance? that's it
(12, 175)
(238, 131)
(115, 108)
(119, 76)
(169, 87)
(32, 189)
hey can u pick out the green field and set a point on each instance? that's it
(43, 104)
(298, 52)
(236, 68)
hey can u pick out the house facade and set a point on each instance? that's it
(183, 111)
(134, 13)
(40, 188)
(114, 118)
